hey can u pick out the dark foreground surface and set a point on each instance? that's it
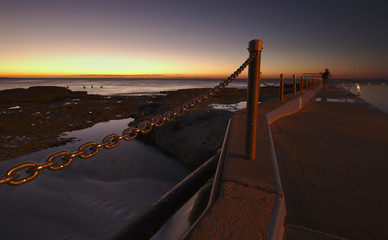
(332, 157)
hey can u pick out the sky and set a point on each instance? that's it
(182, 38)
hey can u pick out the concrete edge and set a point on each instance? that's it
(274, 161)
(276, 225)
(217, 181)
(291, 107)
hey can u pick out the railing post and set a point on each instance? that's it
(281, 87)
(301, 83)
(294, 83)
(254, 78)
(307, 83)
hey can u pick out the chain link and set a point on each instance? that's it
(62, 159)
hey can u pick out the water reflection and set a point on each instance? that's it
(376, 95)
(229, 107)
(92, 198)
(337, 100)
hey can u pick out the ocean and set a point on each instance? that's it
(118, 86)
(373, 91)
(96, 197)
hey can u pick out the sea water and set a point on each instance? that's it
(119, 86)
(376, 95)
(122, 86)
(91, 198)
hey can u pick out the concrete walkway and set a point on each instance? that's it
(333, 161)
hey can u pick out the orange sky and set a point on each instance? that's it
(197, 39)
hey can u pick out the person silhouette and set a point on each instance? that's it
(325, 78)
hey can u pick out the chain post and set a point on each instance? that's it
(281, 87)
(307, 83)
(294, 83)
(254, 78)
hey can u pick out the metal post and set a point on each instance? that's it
(294, 83)
(307, 83)
(254, 78)
(281, 87)
(301, 83)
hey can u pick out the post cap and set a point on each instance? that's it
(255, 45)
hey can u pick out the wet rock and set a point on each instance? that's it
(35, 94)
(194, 137)
(44, 113)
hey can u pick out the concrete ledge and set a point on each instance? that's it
(291, 107)
(276, 225)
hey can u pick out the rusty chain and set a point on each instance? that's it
(62, 159)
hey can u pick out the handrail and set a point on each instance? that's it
(151, 220)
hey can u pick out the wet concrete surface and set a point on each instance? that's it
(332, 157)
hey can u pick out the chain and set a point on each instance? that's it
(62, 159)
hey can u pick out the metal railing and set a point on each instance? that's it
(151, 220)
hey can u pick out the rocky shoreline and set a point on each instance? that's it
(35, 118)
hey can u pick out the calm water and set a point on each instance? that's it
(377, 95)
(119, 86)
(92, 198)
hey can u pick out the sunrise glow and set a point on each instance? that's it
(59, 39)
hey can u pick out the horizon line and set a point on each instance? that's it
(163, 76)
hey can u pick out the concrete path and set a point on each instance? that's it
(333, 161)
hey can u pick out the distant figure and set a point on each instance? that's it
(84, 86)
(92, 86)
(325, 78)
(101, 86)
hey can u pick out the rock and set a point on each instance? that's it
(194, 137)
(35, 94)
